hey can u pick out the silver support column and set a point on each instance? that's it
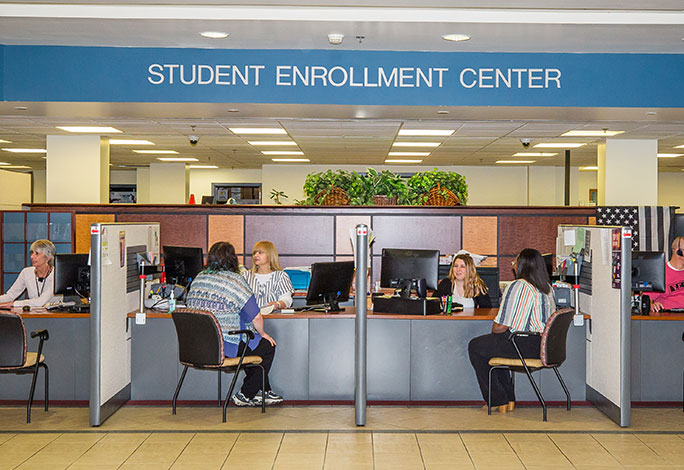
(626, 327)
(360, 346)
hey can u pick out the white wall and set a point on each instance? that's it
(122, 177)
(671, 190)
(168, 183)
(15, 189)
(586, 180)
(628, 172)
(142, 185)
(39, 186)
(201, 179)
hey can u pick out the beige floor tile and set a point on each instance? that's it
(92, 467)
(386, 443)
(440, 443)
(215, 459)
(169, 438)
(335, 465)
(304, 461)
(303, 443)
(398, 460)
(144, 466)
(447, 458)
(249, 460)
(483, 460)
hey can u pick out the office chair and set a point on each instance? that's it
(15, 359)
(552, 355)
(200, 346)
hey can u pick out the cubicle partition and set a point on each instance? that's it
(115, 291)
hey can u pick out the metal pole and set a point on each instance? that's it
(360, 343)
(567, 177)
(626, 327)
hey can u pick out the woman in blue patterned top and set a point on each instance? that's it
(221, 290)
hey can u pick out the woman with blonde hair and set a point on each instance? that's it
(464, 284)
(270, 284)
(38, 280)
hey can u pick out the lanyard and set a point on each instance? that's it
(42, 284)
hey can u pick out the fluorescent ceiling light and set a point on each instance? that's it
(15, 150)
(559, 145)
(303, 160)
(214, 34)
(679, 147)
(272, 142)
(515, 161)
(257, 130)
(178, 159)
(669, 155)
(282, 152)
(415, 144)
(456, 37)
(601, 133)
(202, 167)
(156, 152)
(2, 141)
(430, 132)
(16, 167)
(408, 154)
(534, 154)
(90, 129)
(588, 168)
(130, 142)
(397, 160)
(3, 163)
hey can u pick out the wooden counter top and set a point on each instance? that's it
(666, 316)
(39, 312)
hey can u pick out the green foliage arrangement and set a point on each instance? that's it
(421, 183)
(385, 183)
(318, 185)
(276, 196)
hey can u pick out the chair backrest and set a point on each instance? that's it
(200, 341)
(12, 341)
(554, 337)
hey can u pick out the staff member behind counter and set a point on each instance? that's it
(270, 284)
(38, 280)
(464, 284)
(673, 297)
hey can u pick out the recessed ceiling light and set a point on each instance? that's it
(651, 113)
(156, 152)
(3, 163)
(679, 147)
(534, 154)
(408, 154)
(90, 129)
(415, 144)
(178, 159)
(15, 150)
(16, 167)
(257, 130)
(431, 132)
(201, 167)
(214, 34)
(335, 38)
(442, 111)
(233, 110)
(601, 133)
(272, 142)
(2, 141)
(456, 37)
(515, 161)
(559, 145)
(282, 152)
(295, 160)
(398, 160)
(588, 168)
(20, 108)
(669, 155)
(130, 142)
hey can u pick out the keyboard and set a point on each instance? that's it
(673, 310)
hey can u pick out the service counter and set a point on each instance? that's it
(410, 359)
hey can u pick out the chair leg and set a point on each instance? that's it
(263, 389)
(230, 393)
(219, 388)
(489, 392)
(536, 389)
(178, 387)
(565, 389)
(31, 393)
(47, 385)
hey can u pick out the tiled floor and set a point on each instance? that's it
(327, 438)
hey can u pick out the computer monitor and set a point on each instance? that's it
(399, 265)
(648, 271)
(490, 276)
(207, 199)
(548, 262)
(330, 284)
(182, 263)
(72, 275)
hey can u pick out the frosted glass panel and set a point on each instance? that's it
(36, 226)
(13, 259)
(60, 227)
(13, 227)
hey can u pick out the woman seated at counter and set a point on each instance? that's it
(38, 280)
(270, 284)
(464, 284)
(526, 306)
(220, 289)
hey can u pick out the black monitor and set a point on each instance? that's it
(648, 271)
(207, 199)
(182, 263)
(548, 262)
(399, 265)
(490, 276)
(330, 284)
(72, 275)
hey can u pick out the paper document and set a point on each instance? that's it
(266, 310)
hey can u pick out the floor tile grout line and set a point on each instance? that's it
(513, 449)
(606, 449)
(86, 451)
(420, 451)
(460, 436)
(230, 451)
(37, 452)
(325, 451)
(560, 450)
(182, 450)
(134, 450)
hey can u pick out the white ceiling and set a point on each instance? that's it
(347, 134)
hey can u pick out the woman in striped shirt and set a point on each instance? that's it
(270, 284)
(526, 306)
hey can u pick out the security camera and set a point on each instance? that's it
(193, 139)
(525, 142)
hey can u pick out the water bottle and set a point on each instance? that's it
(172, 301)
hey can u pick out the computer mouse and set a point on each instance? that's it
(26, 308)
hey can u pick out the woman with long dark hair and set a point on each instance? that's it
(526, 306)
(221, 290)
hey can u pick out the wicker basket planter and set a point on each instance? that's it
(436, 197)
(380, 200)
(335, 197)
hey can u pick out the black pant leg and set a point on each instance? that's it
(252, 383)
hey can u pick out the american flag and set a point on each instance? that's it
(652, 227)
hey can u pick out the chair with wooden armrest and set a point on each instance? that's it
(15, 358)
(552, 355)
(200, 346)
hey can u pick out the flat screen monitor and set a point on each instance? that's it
(207, 199)
(72, 274)
(548, 262)
(182, 263)
(400, 264)
(490, 276)
(648, 271)
(330, 284)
